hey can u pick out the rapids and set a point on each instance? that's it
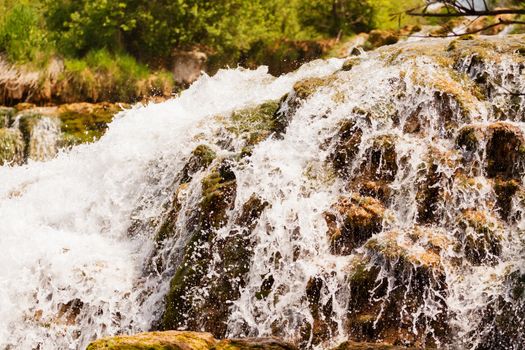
(408, 137)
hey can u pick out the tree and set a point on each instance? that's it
(475, 9)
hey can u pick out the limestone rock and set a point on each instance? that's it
(351, 221)
(11, 146)
(400, 273)
(253, 344)
(169, 340)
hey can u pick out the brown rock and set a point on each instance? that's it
(351, 221)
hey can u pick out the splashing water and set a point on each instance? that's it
(392, 209)
(69, 271)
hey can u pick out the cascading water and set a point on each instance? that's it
(379, 200)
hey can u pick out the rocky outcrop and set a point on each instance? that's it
(45, 130)
(352, 221)
(170, 340)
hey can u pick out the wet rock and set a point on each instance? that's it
(377, 38)
(201, 157)
(11, 146)
(381, 158)
(218, 196)
(351, 221)
(41, 133)
(6, 115)
(351, 345)
(256, 124)
(323, 325)
(304, 89)
(480, 236)
(350, 63)
(503, 318)
(347, 147)
(253, 344)
(399, 275)
(505, 191)
(168, 340)
(431, 186)
(85, 122)
(505, 151)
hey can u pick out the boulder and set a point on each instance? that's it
(6, 115)
(253, 344)
(41, 132)
(11, 146)
(169, 340)
(348, 140)
(480, 236)
(398, 288)
(351, 345)
(188, 66)
(352, 221)
(201, 157)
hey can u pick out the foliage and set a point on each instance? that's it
(22, 36)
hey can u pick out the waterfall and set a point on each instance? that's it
(375, 199)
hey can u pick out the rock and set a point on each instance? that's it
(11, 146)
(347, 144)
(351, 221)
(377, 38)
(399, 273)
(201, 157)
(504, 145)
(85, 122)
(351, 345)
(41, 133)
(253, 344)
(6, 115)
(304, 89)
(218, 196)
(505, 151)
(169, 340)
(186, 306)
(188, 66)
(381, 159)
(480, 236)
(255, 124)
(503, 317)
(505, 191)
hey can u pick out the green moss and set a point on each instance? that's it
(201, 157)
(84, 122)
(11, 146)
(172, 340)
(256, 123)
(6, 115)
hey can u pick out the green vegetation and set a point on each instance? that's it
(150, 30)
(123, 50)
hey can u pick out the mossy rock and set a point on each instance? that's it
(505, 189)
(234, 249)
(6, 116)
(377, 38)
(169, 340)
(85, 122)
(351, 221)
(201, 157)
(505, 151)
(381, 159)
(502, 321)
(41, 133)
(480, 236)
(352, 345)
(253, 344)
(347, 142)
(396, 273)
(218, 196)
(11, 146)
